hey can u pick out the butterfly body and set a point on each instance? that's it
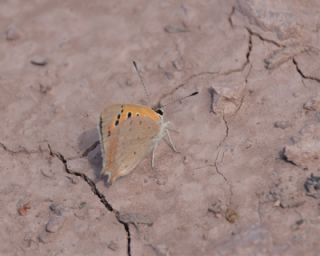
(128, 133)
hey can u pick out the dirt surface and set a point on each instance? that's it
(246, 178)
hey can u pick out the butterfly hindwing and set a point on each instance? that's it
(137, 139)
(127, 134)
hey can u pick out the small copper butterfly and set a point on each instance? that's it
(128, 133)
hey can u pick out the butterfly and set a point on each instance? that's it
(128, 133)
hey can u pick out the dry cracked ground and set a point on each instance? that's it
(246, 179)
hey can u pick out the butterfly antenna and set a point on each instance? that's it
(180, 99)
(141, 80)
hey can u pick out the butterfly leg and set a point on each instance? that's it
(153, 152)
(171, 142)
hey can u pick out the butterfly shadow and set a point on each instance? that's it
(89, 145)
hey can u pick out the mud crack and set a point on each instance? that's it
(216, 163)
(264, 39)
(21, 150)
(294, 61)
(212, 73)
(96, 192)
(219, 172)
(251, 32)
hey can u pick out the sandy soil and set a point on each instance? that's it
(246, 178)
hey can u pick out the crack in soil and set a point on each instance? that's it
(228, 72)
(227, 129)
(251, 32)
(294, 61)
(219, 172)
(264, 39)
(21, 150)
(96, 192)
(212, 73)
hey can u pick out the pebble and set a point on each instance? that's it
(54, 224)
(39, 60)
(135, 218)
(44, 237)
(312, 104)
(282, 124)
(176, 28)
(231, 215)
(113, 246)
(312, 186)
(57, 209)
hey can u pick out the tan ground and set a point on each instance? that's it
(248, 143)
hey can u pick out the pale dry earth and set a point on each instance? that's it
(246, 178)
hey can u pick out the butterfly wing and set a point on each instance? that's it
(125, 145)
(105, 123)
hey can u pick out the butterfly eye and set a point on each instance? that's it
(159, 111)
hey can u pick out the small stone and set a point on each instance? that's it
(227, 95)
(305, 150)
(47, 172)
(160, 250)
(313, 104)
(54, 224)
(23, 209)
(282, 124)
(39, 60)
(217, 209)
(82, 205)
(44, 237)
(297, 224)
(277, 203)
(176, 28)
(12, 33)
(113, 246)
(231, 215)
(312, 186)
(57, 209)
(135, 218)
